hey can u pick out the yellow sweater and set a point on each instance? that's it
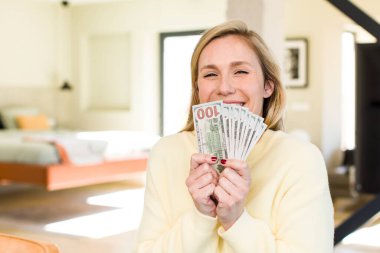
(288, 208)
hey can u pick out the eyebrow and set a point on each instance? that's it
(208, 66)
(238, 63)
(233, 64)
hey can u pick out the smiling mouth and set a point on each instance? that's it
(234, 103)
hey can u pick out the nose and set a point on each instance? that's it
(225, 86)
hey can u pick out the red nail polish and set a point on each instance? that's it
(223, 161)
(214, 158)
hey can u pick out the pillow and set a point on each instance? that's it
(9, 114)
(34, 122)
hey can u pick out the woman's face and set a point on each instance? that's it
(230, 70)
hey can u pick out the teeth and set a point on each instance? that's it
(235, 103)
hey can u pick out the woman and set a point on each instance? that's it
(276, 201)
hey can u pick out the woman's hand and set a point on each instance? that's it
(201, 183)
(231, 191)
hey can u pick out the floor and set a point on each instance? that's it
(96, 219)
(104, 218)
(366, 238)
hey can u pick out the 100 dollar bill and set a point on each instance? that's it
(209, 127)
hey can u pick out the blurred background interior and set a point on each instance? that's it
(123, 66)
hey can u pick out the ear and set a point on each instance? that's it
(268, 88)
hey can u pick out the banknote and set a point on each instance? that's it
(226, 130)
(208, 124)
(235, 129)
(242, 129)
(226, 123)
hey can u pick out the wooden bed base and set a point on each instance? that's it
(62, 176)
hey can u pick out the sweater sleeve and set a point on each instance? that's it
(303, 217)
(190, 232)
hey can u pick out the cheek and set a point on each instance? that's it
(204, 93)
(257, 107)
(256, 100)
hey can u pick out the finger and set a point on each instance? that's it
(201, 182)
(198, 159)
(201, 170)
(208, 191)
(215, 176)
(241, 167)
(196, 175)
(202, 195)
(232, 176)
(221, 195)
(229, 187)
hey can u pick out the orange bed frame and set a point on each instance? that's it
(62, 176)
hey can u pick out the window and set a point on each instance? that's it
(176, 52)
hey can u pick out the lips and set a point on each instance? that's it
(234, 102)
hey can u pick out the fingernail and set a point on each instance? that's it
(214, 158)
(223, 161)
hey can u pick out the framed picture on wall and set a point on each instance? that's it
(295, 63)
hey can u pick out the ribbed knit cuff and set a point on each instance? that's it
(203, 222)
(235, 230)
(248, 234)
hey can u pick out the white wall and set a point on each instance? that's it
(29, 54)
(317, 109)
(43, 44)
(259, 16)
(28, 45)
(143, 20)
(306, 106)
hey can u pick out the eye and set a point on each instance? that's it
(241, 72)
(209, 75)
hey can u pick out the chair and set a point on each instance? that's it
(15, 244)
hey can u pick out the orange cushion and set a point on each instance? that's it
(33, 122)
(15, 244)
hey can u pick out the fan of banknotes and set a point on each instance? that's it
(226, 130)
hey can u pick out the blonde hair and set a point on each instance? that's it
(274, 106)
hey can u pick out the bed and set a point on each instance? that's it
(60, 159)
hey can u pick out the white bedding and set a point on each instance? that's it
(81, 147)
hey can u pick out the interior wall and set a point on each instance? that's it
(258, 15)
(143, 20)
(29, 54)
(43, 45)
(316, 109)
(28, 43)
